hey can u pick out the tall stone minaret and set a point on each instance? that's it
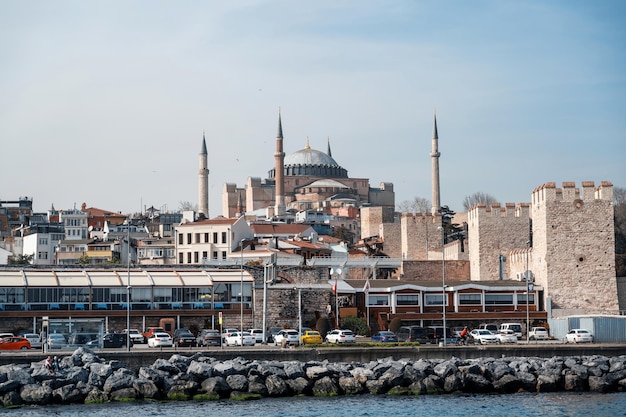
(279, 157)
(203, 182)
(434, 155)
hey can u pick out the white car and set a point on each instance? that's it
(135, 336)
(258, 334)
(160, 340)
(538, 333)
(579, 336)
(506, 336)
(34, 339)
(228, 332)
(483, 336)
(236, 339)
(340, 336)
(56, 341)
(290, 335)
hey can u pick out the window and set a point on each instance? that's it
(197, 238)
(214, 255)
(433, 299)
(224, 237)
(407, 300)
(189, 238)
(188, 257)
(180, 239)
(214, 237)
(206, 238)
(499, 299)
(521, 299)
(223, 255)
(180, 258)
(378, 300)
(469, 299)
(42, 255)
(195, 257)
(43, 241)
(205, 254)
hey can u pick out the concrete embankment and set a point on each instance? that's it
(84, 377)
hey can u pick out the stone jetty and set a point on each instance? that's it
(83, 377)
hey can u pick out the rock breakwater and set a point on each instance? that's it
(83, 377)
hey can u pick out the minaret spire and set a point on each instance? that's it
(434, 155)
(328, 151)
(203, 181)
(279, 158)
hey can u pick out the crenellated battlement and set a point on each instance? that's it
(481, 210)
(422, 217)
(569, 193)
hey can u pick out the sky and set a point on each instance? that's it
(106, 102)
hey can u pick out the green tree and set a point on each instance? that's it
(16, 260)
(83, 260)
(357, 324)
(452, 231)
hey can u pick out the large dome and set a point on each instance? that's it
(308, 156)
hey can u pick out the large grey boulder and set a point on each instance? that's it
(120, 379)
(237, 382)
(325, 387)
(146, 388)
(36, 394)
(67, 394)
(276, 386)
(351, 385)
(216, 385)
(200, 370)
(299, 386)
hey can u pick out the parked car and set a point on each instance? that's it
(227, 332)
(579, 336)
(493, 328)
(152, 330)
(56, 341)
(311, 337)
(538, 333)
(78, 339)
(273, 332)
(516, 327)
(290, 335)
(110, 341)
(416, 334)
(160, 339)
(184, 337)
(14, 343)
(34, 339)
(506, 336)
(240, 339)
(384, 336)
(209, 337)
(483, 336)
(258, 334)
(136, 336)
(340, 336)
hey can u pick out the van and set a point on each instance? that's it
(416, 334)
(489, 326)
(515, 327)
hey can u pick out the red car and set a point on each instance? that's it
(14, 343)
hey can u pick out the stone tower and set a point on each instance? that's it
(574, 248)
(434, 155)
(493, 232)
(279, 157)
(203, 182)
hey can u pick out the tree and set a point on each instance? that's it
(452, 231)
(417, 205)
(476, 198)
(187, 206)
(83, 260)
(21, 260)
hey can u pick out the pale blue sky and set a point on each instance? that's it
(105, 102)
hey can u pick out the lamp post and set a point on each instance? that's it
(526, 275)
(336, 272)
(443, 279)
(299, 310)
(241, 297)
(128, 291)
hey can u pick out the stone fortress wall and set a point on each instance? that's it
(564, 237)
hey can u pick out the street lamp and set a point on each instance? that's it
(128, 291)
(241, 298)
(299, 310)
(528, 286)
(443, 279)
(336, 272)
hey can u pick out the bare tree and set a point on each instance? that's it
(479, 197)
(187, 206)
(619, 196)
(619, 207)
(417, 205)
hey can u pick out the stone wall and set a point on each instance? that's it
(432, 270)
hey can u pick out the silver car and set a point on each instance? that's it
(34, 339)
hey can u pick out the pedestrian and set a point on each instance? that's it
(55, 364)
(49, 366)
(329, 310)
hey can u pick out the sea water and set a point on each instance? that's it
(449, 405)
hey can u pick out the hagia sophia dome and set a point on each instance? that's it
(311, 162)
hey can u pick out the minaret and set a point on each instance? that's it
(203, 182)
(279, 157)
(434, 155)
(328, 152)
